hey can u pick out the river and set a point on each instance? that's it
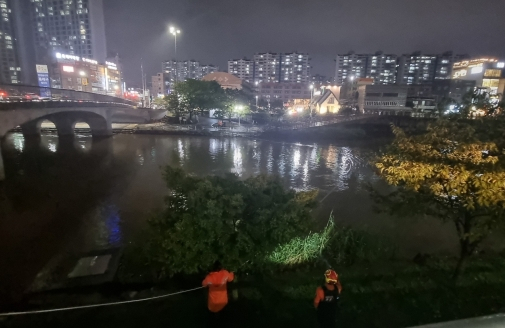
(65, 197)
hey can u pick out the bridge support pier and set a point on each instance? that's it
(64, 125)
(100, 127)
(31, 129)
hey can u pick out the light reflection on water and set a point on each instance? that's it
(108, 189)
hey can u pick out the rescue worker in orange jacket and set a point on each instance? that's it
(326, 300)
(218, 294)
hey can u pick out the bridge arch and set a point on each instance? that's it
(65, 123)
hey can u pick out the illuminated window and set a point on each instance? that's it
(493, 73)
(476, 70)
(490, 83)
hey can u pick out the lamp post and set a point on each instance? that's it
(174, 31)
(311, 99)
(238, 110)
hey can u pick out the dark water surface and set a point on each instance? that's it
(64, 197)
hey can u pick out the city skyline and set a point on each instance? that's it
(217, 32)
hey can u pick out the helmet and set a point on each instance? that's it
(331, 276)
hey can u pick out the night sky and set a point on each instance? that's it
(214, 31)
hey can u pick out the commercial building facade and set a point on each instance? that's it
(488, 73)
(453, 89)
(383, 99)
(84, 74)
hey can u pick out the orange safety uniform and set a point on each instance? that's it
(218, 294)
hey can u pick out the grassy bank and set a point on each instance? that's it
(388, 293)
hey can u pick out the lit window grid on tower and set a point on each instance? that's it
(64, 26)
(9, 60)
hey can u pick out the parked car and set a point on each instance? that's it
(30, 96)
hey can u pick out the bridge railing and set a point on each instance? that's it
(320, 121)
(13, 95)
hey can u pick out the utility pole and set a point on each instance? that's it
(144, 101)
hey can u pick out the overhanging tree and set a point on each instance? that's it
(199, 96)
(223, 218)
(481, 103)
(447, 173)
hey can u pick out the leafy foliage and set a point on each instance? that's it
(478, 103)
(236, 221)
(234, 103)
(450, 174)
(193, 96)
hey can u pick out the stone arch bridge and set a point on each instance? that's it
(21, 108)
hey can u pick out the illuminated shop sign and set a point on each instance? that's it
(69, 69)
(75, 58)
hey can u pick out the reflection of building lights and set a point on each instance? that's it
(237, 160)
(296, 158)
(19, 143)
(52, 147)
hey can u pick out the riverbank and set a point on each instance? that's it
(339, 134)
(382, 294)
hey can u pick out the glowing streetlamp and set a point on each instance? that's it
(238, 110)
(174, 31)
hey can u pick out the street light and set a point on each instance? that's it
(174, 31)
(311, 87)
(238, 109)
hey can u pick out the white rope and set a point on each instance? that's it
(96, 305)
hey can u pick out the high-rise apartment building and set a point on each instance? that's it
(74, 27)
(281, 67)
(417, 68)
(242, 68)
(380, 67)
(208, 69)
(445, 63)
(350, 65)
(10, 67)
(179, 71)
(387, 69)
(33, 31)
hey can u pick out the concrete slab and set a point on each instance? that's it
(92, 265)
